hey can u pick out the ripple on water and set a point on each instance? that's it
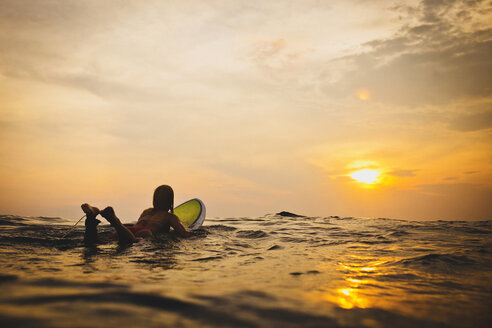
(251, 234)
(438, 262)
(220, 227)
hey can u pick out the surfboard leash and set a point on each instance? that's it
(70, 230)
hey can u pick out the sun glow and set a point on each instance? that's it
(363, 94)
(366, 176)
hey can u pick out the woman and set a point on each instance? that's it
(153, 220)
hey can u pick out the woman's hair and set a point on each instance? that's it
(164, 198)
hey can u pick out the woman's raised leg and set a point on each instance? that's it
(125, 236)
(90, 236)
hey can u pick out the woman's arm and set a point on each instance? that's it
(180, 229)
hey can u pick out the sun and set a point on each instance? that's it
(366, 176)
(363, 94)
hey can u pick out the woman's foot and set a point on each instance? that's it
(91, 212)
(108, 214)
(90, 236)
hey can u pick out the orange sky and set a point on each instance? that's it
(254, 107)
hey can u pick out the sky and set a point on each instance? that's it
(346, 107)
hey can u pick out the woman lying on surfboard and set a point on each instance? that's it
(156, 219)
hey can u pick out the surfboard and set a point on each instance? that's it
(191, 213)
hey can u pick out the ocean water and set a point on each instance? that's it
(278, 270)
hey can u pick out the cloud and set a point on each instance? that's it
(50, 42)
(472, 121)
(444, 187)
(403, 173)
(442, 57)
(460, 200)
(270, 53)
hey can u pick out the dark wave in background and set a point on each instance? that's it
(279, 270)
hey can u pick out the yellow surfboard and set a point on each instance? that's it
(191, 213)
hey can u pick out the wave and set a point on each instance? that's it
(438, 262)
(251, 234)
